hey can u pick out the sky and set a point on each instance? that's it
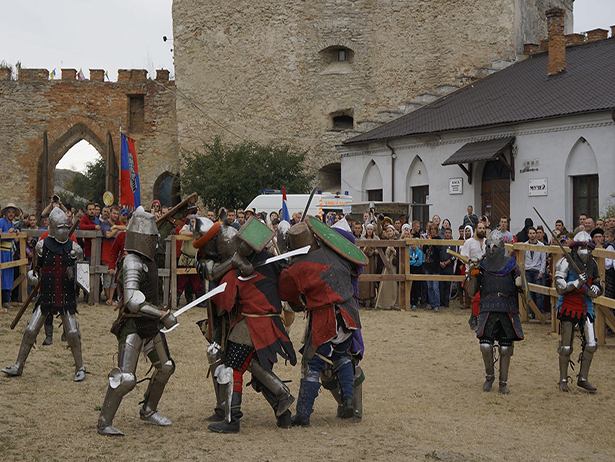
(128, 34)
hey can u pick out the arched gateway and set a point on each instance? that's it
(41, 119)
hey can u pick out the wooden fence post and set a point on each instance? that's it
(600, 321)
(173, 274)
(522, 310)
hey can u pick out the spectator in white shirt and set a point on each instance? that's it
(535, 266)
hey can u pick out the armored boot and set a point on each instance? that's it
(74, 342)
(565, 351)
(149, 411)
(121, 381)
(587, 354)
(564, 360)
(214, 356)
(308, 391)
(232, 423)
(486, 348)
(586, 360)
(506, 351)
(359, 378)
(283, 420)
(29, 337)
(48, 334)
(343, 368)
(273, 383)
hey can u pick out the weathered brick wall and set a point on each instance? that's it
(257, 68)
(70, 110)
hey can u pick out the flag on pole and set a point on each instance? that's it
(285, 214)
(52, 74)
(80, 75)
(130, 188)
(107, 76)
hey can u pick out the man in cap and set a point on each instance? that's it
(498, 280)
(575, 306)
(138, 326)
(6, 252)
(55, 269)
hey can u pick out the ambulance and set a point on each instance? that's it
(322, 203)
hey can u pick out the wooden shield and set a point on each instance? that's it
(336, 241)
(255, 233)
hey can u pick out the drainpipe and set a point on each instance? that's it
(393, 157)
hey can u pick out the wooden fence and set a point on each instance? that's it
(604, 316)
(170, 272)
(21, 262)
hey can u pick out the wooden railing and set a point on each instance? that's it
(604, 316)
(21, 262)
(404, 277)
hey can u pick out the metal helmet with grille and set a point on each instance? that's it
(495, 252)
(58, 225)
(142, 234)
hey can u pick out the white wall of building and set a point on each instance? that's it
(549, 142)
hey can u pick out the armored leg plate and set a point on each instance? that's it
(155, 417)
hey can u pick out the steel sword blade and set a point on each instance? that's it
(194, 303)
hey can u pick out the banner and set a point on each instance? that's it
(130, 188)
(285, 214)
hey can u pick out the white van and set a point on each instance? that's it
(321, 203)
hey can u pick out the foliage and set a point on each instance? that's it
(231, 175)
(70, 199)
(90, 185)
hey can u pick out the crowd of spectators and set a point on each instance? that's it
(423, 259)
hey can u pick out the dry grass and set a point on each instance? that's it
(423, 401)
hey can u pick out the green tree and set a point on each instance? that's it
(231, 175)
(91, 184)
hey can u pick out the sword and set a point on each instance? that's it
(307, 206)
(566, 253)
(211, 293)
(292, 253)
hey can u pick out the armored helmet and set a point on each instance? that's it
(583, 245)
(142, 234)
(58, 225)
(495, 252)
(300, 235)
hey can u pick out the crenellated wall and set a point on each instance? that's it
(68, 110)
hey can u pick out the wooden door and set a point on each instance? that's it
(420, 212)
(495, 191)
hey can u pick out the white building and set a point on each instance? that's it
(540, 133)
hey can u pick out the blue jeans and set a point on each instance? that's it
(532, 278)
(433, 292)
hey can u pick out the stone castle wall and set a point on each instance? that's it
(70, 110)
(266, 70)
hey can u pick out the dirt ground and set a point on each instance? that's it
(422, 401)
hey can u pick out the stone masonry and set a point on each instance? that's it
(269, 71)
(69, 110)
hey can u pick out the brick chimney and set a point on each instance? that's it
(557, 41)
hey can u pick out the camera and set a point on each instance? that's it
(381, 217)
(56, 198)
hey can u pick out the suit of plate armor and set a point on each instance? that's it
(575, 306)
(138, 327)
(55, 268)
(498, 280)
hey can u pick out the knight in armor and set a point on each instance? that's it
(55, 269)
(256, 335)
(498, 279)
(322, 280)
(575, 307)
(138, 326)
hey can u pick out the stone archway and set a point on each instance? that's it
(52, 153)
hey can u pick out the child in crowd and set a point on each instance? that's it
(416, 267)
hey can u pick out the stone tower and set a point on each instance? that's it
(312, 72)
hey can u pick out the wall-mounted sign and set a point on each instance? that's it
(455, 185)
(538, 187)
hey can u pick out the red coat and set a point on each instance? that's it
(258, 302)
(324, 278)
(87, 224)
